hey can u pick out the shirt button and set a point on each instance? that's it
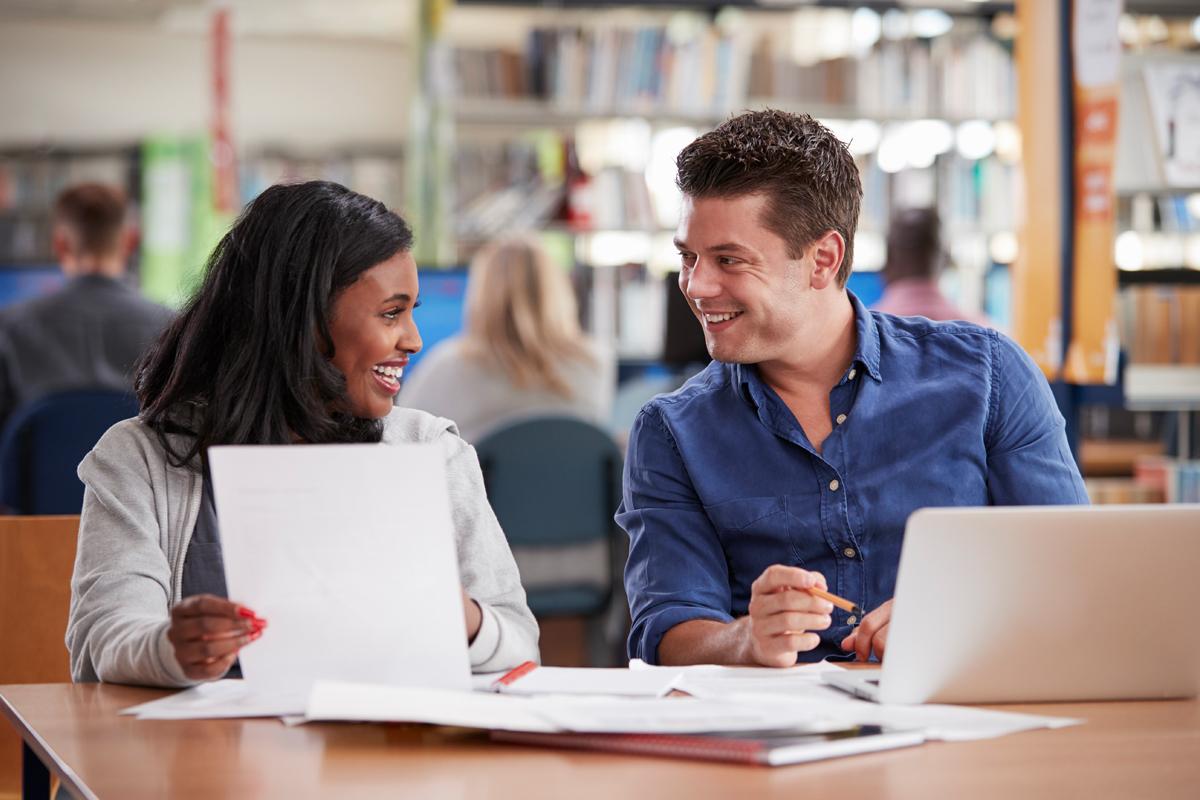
(851, 620)
(849, 552)
(833, 485)
(853, 372)
(841, 418)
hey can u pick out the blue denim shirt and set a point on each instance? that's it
(721, 482)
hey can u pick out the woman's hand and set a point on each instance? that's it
(473, 616)
(208, 631)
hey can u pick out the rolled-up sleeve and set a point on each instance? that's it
(1029, 459)
(676, 569)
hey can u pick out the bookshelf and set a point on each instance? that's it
(30, 181)
(613, 94)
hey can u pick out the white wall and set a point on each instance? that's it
(87, 83)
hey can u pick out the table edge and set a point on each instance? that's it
(31, 739)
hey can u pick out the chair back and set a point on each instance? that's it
(552, 481)
(37, 556)
(43, 443)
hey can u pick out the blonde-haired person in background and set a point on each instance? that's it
(522, 352)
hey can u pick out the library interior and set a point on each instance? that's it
(198, 196)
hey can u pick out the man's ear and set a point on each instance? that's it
(60, 243)
(131, 237)
(827, 254)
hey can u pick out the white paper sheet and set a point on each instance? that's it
(678, 715)
(222, 700)
(938, 722)
(956, 723)
(800, 682)
(333, 700)
(348, 552)
(802, 688)
(549, 713)
(592, 681)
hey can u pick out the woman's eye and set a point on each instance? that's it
(392, 313)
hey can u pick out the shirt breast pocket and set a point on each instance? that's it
(755, 533)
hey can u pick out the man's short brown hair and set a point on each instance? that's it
(810, 179)
(95, 214)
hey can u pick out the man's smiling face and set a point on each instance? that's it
(750, 296)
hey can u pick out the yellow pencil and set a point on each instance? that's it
(840, 602)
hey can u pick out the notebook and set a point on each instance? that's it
(768, 748)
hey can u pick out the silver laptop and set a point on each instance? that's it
(1032, 604)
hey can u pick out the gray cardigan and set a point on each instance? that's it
(138, 515)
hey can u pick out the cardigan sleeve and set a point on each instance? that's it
(121, 585)
(486, 566)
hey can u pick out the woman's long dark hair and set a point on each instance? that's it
(248, 360)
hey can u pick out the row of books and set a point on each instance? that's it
(378, 175)
(1160, 324)
(639, 69)
(1176, 480)
(949, 76)
(514, 184)
(969, 195)
(1168, 213)
(29, 184)
(646, 69)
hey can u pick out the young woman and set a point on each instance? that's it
(298, 335)
(522, 353)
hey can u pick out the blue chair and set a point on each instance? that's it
(556, 482)
(43, 443)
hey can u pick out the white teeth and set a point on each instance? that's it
(714, 318)
(393, 373)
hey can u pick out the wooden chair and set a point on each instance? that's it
(37, 555)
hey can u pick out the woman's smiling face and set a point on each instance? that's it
(374, 334)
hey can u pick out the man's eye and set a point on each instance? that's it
(727, 260)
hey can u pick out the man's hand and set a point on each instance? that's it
(472, 614)
(208, 631)
(783, 616)
(871, 634)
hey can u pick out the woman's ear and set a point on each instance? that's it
(827, 255)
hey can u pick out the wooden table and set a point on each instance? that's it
(1144, 749)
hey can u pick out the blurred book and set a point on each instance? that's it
(765, 748)
(1160, 324)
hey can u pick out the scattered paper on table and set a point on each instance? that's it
(334, 700)
(222, 700)
(592, 681)
(677, 715)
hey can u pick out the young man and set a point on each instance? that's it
(89, 333)
(796, 457)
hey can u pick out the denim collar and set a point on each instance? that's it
(750, 384)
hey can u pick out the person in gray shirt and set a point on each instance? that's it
(298, 336)
(89, 333)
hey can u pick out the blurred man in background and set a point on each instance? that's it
(89, 333)
(914, 259)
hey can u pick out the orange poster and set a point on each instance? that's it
(1096, 57)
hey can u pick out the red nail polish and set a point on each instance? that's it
(247, 613)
